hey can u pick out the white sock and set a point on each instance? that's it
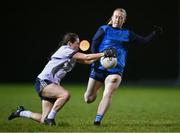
(52, 114)
(25, 114)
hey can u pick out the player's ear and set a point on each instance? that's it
(69, 43)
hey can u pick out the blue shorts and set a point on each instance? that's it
(100, 75)
(39, 86)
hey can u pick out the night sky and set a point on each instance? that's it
(33, 30)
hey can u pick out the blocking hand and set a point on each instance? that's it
(110, 52)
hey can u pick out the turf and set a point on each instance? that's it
(142, 109)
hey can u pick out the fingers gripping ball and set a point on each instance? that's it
(110, 52)
(108, 62)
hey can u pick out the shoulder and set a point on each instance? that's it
(125, 30)
(129, 30)
(64, 51)
(104, 27)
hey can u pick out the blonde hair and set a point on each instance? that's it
(118, 9)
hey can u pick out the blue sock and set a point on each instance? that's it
(99, 118)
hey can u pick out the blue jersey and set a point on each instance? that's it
(118, 38)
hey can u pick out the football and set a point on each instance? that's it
(108, 62)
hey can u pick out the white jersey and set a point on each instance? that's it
(60, 63)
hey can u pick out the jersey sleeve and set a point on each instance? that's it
(64, 52)
(69, 53)
(135, 38)
(97, 40)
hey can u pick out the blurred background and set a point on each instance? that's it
(32, 31)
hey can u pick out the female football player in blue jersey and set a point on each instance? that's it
(52, 94)
(115, 37)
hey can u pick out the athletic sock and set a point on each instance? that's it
(98, 118)
(25, 114)
(52, 114)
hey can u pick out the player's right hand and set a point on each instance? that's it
(110, 52)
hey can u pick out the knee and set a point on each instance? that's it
(66, 96)
(114, 79)
(42, 120)
(89, 99)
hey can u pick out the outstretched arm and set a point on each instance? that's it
(143, 40)
(87, 58)
(135, 38)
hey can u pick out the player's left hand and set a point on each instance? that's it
(158, 30)
(110, 52)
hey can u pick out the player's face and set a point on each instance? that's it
(118, 19)
(75, 45)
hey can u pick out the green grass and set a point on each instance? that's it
(141, 109)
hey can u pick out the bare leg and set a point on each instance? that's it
(58, 92)
(21, 112)
(92, 89)
(50, 91)
(112, 82)
(36, 116)
(50, 110)
(46, 108)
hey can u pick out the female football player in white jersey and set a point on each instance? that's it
(53, 95)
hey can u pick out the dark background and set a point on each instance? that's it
(33, 30)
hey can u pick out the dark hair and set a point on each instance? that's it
(69, 37)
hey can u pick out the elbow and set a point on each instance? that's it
(144, 42)
(88, 62)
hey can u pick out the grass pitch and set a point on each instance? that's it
(142, 109)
